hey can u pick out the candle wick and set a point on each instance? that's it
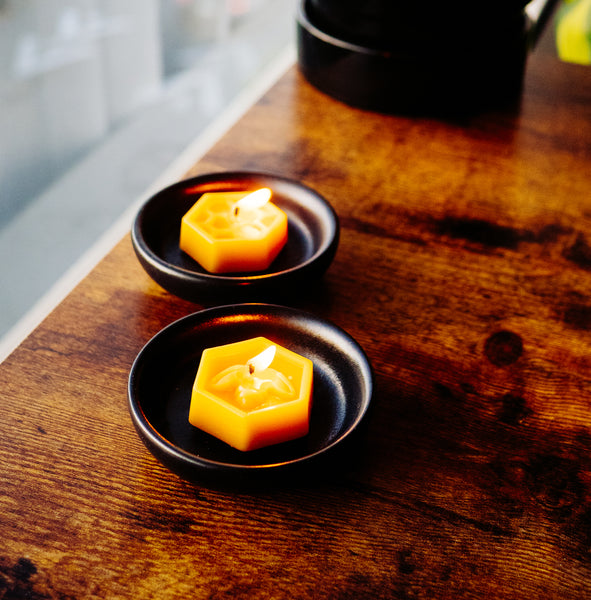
(250, 369)
(236, 210)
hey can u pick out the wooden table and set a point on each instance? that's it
(464, 270)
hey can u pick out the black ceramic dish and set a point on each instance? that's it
(162, 375)
(313, 236)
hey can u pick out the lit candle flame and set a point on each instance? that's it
(261, 361)
(253, 200)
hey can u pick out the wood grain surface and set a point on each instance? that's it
(464, 271)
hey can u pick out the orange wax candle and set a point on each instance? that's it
(252, 394)
(234, 232)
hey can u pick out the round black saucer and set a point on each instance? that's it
(313, 236)
(162, 376)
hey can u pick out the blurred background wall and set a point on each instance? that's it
(97, 97)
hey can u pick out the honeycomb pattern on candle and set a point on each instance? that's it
(222, 241)
(218, 221)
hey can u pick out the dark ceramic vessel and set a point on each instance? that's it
(394, 25)
(428, 57)
(313, 237)
(162, 376)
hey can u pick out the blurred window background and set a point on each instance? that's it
(98, 98)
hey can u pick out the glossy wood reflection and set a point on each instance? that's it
(464, 270)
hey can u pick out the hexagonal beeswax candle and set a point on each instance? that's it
(252, 394)
(234, 232)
